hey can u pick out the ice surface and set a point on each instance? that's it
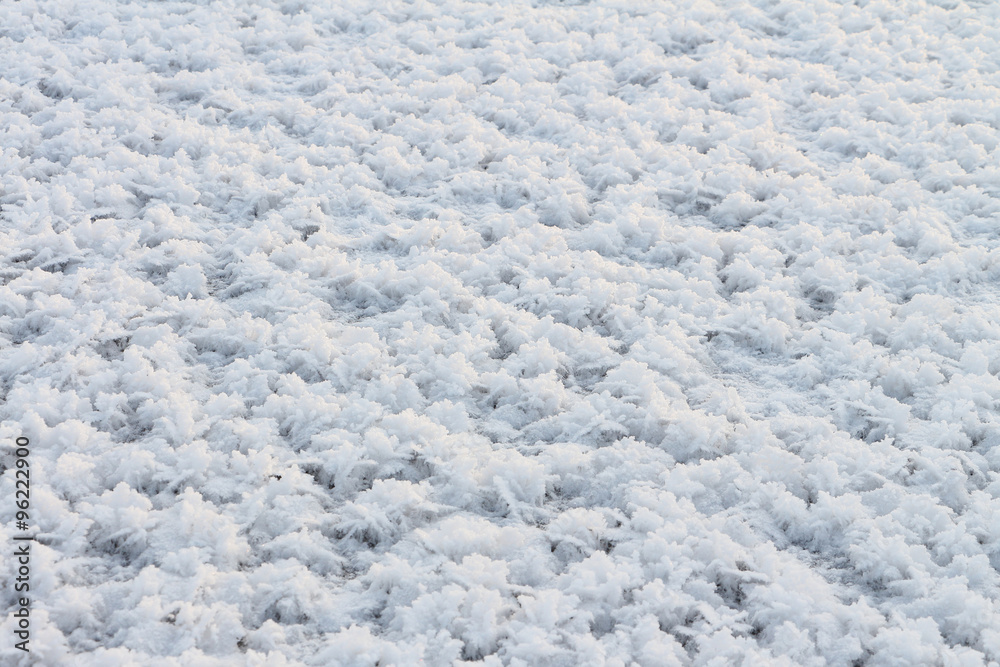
(552, 333)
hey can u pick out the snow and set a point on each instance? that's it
(527, 333)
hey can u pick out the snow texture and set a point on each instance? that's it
(610, 333)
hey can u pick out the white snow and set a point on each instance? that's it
(523, 333)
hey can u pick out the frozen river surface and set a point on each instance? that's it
(380, 333)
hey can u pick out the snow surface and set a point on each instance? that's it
(363, 333)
